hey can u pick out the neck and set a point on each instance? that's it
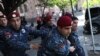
(15, 29)
(3, 26)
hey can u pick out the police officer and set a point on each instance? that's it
(3, 28)
(46, 26)
(47, 23)
(39, 22)
(23, 21)
(73, 38)
(17, 37)
(57, 44)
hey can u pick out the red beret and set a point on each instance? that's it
(38, 19)
(47, 18)
(13, 15)
(64, 21)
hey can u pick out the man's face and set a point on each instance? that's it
(49, 23)
(74, 25)
(3, 22)
(16, 23)
(65, 31)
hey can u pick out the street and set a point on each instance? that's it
(86, 40)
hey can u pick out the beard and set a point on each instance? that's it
(16, 27)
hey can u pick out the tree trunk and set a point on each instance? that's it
(63, 12)
(45, 4)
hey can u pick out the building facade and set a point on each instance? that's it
(28, 9)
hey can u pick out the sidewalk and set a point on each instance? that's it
(91, 53)
(86, 40)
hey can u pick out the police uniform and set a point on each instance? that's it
(56, 44)
(17, 40)
(3, 29)
(2, 38)
(73, 38)
(46, 28)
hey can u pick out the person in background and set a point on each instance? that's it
(3, 29)
(39, 22)
(24, 22)
(46, 26)
(73, 38)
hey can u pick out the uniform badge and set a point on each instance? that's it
(15, 35)
(23, 31)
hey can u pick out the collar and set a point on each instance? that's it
(15, 29)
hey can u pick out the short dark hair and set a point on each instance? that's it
(74, 18)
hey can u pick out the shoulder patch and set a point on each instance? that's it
(15, 35)
(23, 30)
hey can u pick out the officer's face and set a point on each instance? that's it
(49, 22)
(16, 23)
(3, 22)
(65, 31)
(74, 25)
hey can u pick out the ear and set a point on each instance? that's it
(59, 28)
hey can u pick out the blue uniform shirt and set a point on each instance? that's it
(2, 38)
(73, 38)
(55, 45)
(17, 40)
(46, 28)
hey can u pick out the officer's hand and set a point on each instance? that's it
(72, 49)
(7, 35)
(35, 46)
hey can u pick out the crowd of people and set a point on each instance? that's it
(56, 40)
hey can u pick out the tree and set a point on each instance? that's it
(8, 6)
(92, 3)
(60, 3)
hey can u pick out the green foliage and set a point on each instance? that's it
(92, 3)
(60, 3)
(74, 2)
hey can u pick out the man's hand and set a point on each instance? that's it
(72, 49)
(35, 46)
